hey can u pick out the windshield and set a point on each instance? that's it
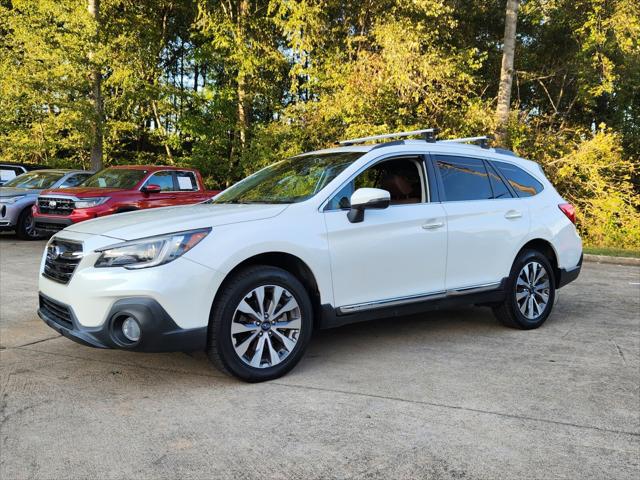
(289, 181)
(115, 178)
(35, 180)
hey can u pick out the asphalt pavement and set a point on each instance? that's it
(451, 394)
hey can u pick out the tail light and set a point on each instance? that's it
(569, 210)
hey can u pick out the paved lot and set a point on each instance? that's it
(446, 395)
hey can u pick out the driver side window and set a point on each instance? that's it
(163, 179)
(401, 177)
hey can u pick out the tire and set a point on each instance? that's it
(517, 310)
(25, 228)
(237, 309)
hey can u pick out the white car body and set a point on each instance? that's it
(398, 255)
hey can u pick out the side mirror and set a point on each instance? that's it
(151, 188)
(364, 198)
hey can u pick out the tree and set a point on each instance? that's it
(96, 93)
(506, 72)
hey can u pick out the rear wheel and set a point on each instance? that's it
(261, 324)
(26, 226)
(530, 292)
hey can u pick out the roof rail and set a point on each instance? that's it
(428, 134)
(482, 141)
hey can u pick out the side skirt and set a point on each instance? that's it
(332, 317)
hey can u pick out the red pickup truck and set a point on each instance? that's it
(118, 189)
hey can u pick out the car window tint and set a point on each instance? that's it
(498, 186)
(163, 179)
(464, 178)
(523, 183)
(75, 180)
(186, 181)
(400, 177)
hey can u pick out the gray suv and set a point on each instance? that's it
(18, 195)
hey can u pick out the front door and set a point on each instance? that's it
(396, 253)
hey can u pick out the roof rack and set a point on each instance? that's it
(428, 134)
(482, 141)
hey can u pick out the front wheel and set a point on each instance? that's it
(260, 325)
(530, 292)
(26, 226)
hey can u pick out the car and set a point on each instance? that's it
(323, 239)
(18, 195)
(9, 171)
(119, 189)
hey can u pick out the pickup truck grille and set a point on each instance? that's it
(62, 259)
(55, 205)
(58, 312)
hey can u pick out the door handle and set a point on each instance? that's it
(512, 214)
(433, 224)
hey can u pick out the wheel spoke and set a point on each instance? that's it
(530, 307)
(294, 324)
(260, 296)
(242, 348)
(275, 299)
(237, 327)
(523, 305)
(521, 295)
(288, 343)
(521, 282)
(256, 360)
(247, 309)
(287, 307)
(275, 358)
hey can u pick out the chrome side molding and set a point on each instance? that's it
(421, 297)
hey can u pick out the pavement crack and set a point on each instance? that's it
(461, 408)
(624, 360)
(37, 341)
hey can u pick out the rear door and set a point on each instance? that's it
(486, 224)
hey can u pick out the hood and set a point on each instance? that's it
(81, 191)
(14, 192)
(158, 221)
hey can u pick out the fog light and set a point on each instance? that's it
(131, 329)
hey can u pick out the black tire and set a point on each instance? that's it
(25, 228)
(509, 312)
(220, 348)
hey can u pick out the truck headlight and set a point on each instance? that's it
(89, 202)
(150, 251)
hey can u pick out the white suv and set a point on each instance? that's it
(319, 240)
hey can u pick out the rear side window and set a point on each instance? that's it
(498, 186)
(523, 183)
(186, 181)
(463, 178)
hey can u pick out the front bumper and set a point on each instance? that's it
(568, 275)
(10, 212)
(159, 332)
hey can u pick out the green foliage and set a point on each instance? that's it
(230, 86)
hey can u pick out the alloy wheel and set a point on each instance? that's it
(265, 327)
(30, 226)
(532, 290)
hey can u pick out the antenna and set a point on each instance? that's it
(428, 134)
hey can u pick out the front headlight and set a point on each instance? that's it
(10, 200)
(150, 251)
(90, 202)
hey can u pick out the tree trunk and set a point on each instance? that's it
(506, 72)
(243, 119)
(96, 96)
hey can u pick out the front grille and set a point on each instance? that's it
(49, 227)
(58, 312)
(55, 205)
(62, 259)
